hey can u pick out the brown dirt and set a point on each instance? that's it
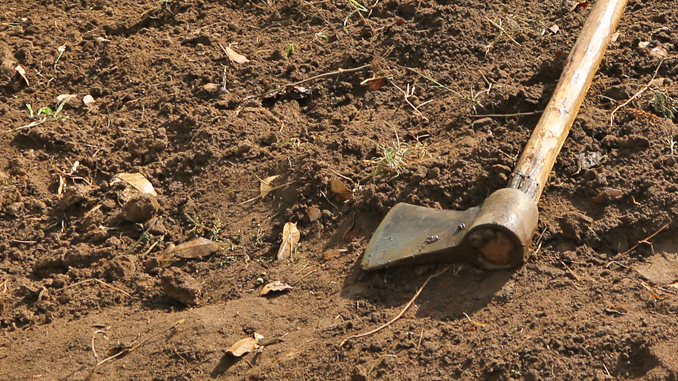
(170, 105)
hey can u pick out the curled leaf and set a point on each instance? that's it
(196, 248)
(137, 181)
(22, 72)
(235, 57)
(243, 347)
(266, 187)
(340, 191)
(275, 286)
(291, 235)
(374, 83)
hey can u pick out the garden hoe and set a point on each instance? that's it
(498, 233)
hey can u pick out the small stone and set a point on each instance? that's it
(140, 208)
(211, 87)
(180, 287)
(483, 122)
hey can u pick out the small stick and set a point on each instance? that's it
(570, 271)
(421, 336)
(133, 347)
(299, 280)
(407, 306)
(661, 229)
(502, 30)
(506, 115)
(329, 74)
(636, 95)
(100, 281)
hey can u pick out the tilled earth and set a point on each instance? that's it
(208, 99)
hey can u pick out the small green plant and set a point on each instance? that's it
(257, 236)
(322, 35)
(199, 229)
(358, 8)
(396, 158)
(291, 49)
(663, 104)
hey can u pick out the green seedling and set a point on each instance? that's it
(664, 105)
(396, 158)
(358, 8)
(291, 49)
(199, 229)
(322, 36)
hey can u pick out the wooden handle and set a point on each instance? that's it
(538, 157)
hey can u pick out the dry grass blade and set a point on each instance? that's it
(291, 235)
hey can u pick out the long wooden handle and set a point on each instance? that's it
(548, 137)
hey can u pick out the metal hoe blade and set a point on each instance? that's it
(412, 234)
(494, 235)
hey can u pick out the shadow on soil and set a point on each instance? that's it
(461, 289)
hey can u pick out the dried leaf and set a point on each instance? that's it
(137, 181)
(607, 195)
(314, 213)
(615, 37)
(553, 29)
(166, 258)
(674, 285)
(275, 286)
(291, 237)
(65, 98)
(374, 83)
(259, 338)
(266, 187)
(243, 347)
(340, 191)
(580, 4)
(22, 72)
(88, 100)
(656, 51)
(195, 248)
(235, 57)
(400, 21)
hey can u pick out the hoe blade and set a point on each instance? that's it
(412, 234)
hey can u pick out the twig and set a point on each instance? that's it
(132, 348)
(421, 337)
(503, 30)
(329, 74)
(506, 115)
(100, 281)
(642, 241)
(407, 306)
(636, 95)
(570, 271)
(299, 280)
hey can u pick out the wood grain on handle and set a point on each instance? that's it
(541, 151)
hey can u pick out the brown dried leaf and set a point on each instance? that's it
(314, 213)
(580, 4)
(275, 286)
(137, 181)
(266, 187)
(22, 72)
(291, 237)
(607, 195)
(235, 57)
(374, 83)
(195, 248)
(340, 191)
(243, 347)
(656, 51)
(166, 258)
